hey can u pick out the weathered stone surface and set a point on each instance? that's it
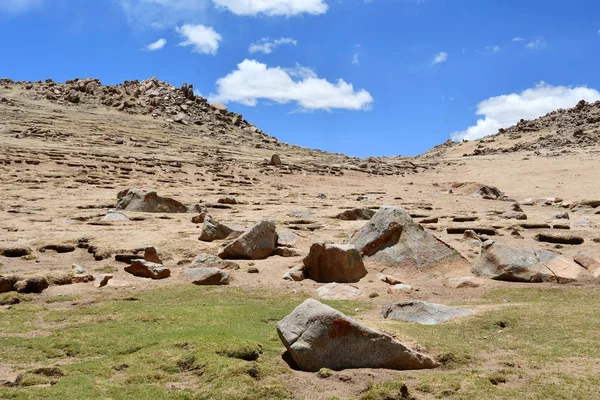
(102, 280)
(317, 336)
(59, 248)
(588, 262)
(393, 238)
(400, 288)
(276, 160)
(146, 269)
(14, 251)
(334, 263)
(209, 261)
(423, 312)
(257, 243)
(511, 214)
(207, 276)
(286, 252)
(143, 200)
(337, 291)
(214, 230)
(115, 216)
(356, 214)
(6, 284)
(32, 284)
(506, 263)
(227, 200)
(462, 282)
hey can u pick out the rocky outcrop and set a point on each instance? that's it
(392, 237)
(506, 263)
(318, 336)
(258, 243)
(334, 263)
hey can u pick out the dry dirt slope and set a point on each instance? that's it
(63, 162)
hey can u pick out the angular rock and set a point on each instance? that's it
(207, 276)
(286, 252)
(510, 214)
(59, 248)
(276, 160)
(142, 200)
(256, 244)
(102, 280)
(317, 336)
(227, 200)
(151, 255)
(78, 269)
(423, 312)
(334, 263)
(6, 284)
(32, 284)
(589, 263)
(287, 239)
(214, 230)
(115, 217)
(356, 214)
(511, 264)
(146, 269)
(210, 261)
(393, 238)
(337, 291)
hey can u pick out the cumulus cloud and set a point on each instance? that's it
(160, 14)
(518, 39)
(18, 6)
(355, 59)
(505, 111)
(440, 57)
(203, 39)
(286, 8)
(267, 45)
(159, 44)
(253, 80)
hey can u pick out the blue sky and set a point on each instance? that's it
(362, 77)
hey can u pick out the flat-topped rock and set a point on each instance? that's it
(334, 263)
(423, 312)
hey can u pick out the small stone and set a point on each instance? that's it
(102, 280)
(400, 289)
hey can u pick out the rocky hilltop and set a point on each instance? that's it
(558, 132)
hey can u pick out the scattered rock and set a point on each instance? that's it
(462, 282)
(423, 312)
(15, 251)
(317, 336)
(510, 214)
(276, 160)
(336, 291)
(334, 263)
(59, 248)
(558, 238)
(207, 276)
(400, 288)
(393, 238)
(286, 252)
(287, 239)
(6, 284)
(506, 263)
(561, 215)
(295, 274)
(142, 200)
(356, 214)
(214, 230)
(114, 216)
(227, 200)
(32, 284)
(257, 243)
(102, 280)
(146, 269)
(151, 255)
(589, 263)
(209, 261)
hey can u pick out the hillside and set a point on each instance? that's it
(562, 131)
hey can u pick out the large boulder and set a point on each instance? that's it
(392, 237)
(148, 201)
(506, 263)
(423, 312)
(207, 276)
(214, 230)
(317, 336)
(31, 284)
(6, 284)
(334, 263)
(256, 244)
(147, 269)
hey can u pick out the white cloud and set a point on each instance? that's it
(440, 57)
(159, 14)
(505, 111)
(355, 59)
(19, 6)
(159, 44)
(273, 7)
(518, 39)
(536, 44)
(598, 31)
(267, 45)
(204, 39)
(253, 80)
